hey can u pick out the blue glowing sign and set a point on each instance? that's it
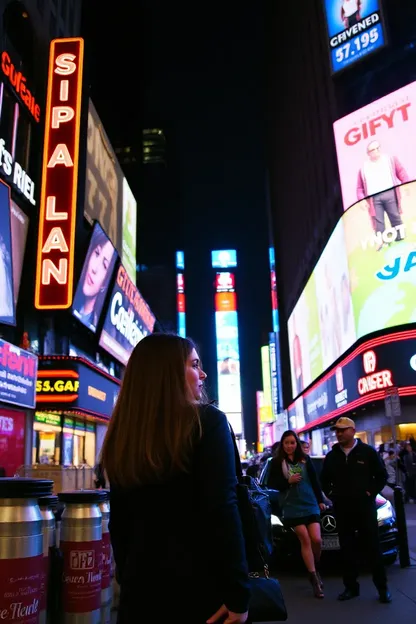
(355, 30)
(224, 258)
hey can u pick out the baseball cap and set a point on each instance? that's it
(343, 423)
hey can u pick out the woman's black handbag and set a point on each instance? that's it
(267, 603)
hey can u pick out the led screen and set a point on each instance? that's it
(95, 279)
(228, 353)
(375, 149)
(224, 259)
(355, 30)
(19, 227)
(128, 318)
(365, 281)
(181, 304)
(7, 301)
(129, 231)
(108, 198)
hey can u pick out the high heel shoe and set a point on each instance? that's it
(316, 585)
(321, 583)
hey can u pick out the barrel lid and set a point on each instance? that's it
(82, 496)
(24, 487)
(49, 501)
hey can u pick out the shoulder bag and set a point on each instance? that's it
(267, 603)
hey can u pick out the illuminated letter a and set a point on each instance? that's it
(60, 156)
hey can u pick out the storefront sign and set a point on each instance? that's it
(365, 375)
(58, 204)
(18, 370)
(73, 384)
(18, 81)
(16, 175)
(128, 318)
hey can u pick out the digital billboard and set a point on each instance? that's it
(181, 304)
(108, 197)
(368, 285)
(19, 226)
(355, 30)
(228, 352)
(224, 259)
(18, 369)
(7, 301)
(129, 234)
(382, 265)
(366, 375)
(95, 278)
(375, 151)
(128, 318)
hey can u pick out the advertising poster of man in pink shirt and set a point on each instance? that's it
(375, 150)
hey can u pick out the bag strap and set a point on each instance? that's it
(238, 466)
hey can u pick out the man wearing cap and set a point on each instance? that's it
(352, 476)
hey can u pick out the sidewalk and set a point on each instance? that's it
(411, 529)
(366, 609)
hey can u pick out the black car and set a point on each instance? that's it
(287, 544)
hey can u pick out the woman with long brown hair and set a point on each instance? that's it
(293, 474)
(174, 524)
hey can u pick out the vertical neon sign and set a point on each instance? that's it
(274, 341)
(58, 202)
(180, 293)
(228, 352)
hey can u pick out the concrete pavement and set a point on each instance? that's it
(411, 528)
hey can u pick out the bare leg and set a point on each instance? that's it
(305, 547)
(314, 531)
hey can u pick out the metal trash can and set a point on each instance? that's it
(47, 506)
(107, 555)
(81, 547)
(21, 548)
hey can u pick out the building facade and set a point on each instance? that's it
(342, 206)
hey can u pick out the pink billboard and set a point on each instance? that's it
(375, 146)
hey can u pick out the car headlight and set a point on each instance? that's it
(276, 521)
(385, 513)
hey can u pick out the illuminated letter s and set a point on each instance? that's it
(65, 65)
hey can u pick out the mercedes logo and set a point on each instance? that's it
(329, 524)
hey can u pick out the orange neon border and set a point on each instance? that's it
(71, 258)
(50, 374)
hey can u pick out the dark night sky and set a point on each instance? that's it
(201, 74)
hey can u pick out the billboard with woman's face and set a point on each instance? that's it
(95, 279)
(7, 304)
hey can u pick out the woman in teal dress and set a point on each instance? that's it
(293, 475)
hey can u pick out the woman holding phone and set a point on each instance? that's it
(293, 474)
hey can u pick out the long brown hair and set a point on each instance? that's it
(155, 421)
(299, 454)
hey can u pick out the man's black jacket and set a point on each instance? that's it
(351, 476)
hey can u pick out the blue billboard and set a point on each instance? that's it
(18, 369)
(355, 30)
(224, 259)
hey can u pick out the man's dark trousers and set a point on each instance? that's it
(358, 527)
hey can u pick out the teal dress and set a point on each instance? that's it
(299, 503)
